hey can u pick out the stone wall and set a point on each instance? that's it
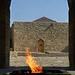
(27, 34)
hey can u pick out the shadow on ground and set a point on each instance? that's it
(13, 68)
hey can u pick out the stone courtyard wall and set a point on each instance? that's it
(27, 34)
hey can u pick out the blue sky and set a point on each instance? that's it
(30, 10)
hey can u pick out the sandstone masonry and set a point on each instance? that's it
(27, 34)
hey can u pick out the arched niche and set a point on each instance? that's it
(40, 45)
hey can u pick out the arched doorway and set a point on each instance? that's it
(40, 45)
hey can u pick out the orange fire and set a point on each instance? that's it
(15, 44)
(32, 63)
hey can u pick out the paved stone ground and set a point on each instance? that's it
(44, 59)
(51, 60)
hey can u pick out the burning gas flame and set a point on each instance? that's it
(32, 63)
(15, 44)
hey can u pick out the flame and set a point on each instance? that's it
(27, 72)
(32, 63)
(15, 44)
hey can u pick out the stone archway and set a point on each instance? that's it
(40, 45)
(5, 27)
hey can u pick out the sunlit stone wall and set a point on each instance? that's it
(27, 34)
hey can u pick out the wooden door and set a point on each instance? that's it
(40, 46)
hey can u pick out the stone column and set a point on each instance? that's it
(4, 33)
(71, 4)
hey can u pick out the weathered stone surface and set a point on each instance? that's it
(27, 34)
(43, 61)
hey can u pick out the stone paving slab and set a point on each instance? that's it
(54, 61)
(43, 61)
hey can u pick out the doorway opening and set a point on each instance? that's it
(40, 46)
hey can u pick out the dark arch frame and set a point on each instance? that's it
(5, 27)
